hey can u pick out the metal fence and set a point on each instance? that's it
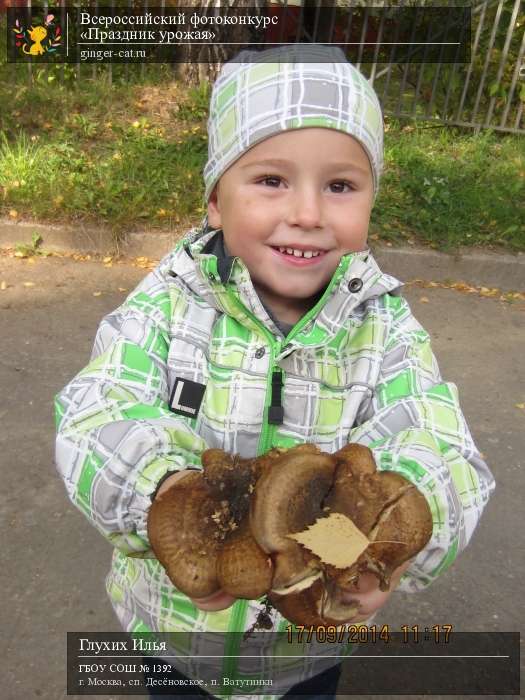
(487, 92)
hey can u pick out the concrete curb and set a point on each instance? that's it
(482, 268)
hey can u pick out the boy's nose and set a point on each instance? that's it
(305, 210)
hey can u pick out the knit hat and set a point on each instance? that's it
(262, 93)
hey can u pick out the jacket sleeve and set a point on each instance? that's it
(116, 436)
(414, 426)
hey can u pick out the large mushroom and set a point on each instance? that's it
(371, 522)
(298, 525)
(199, 529)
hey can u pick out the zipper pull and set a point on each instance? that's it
(276, 411)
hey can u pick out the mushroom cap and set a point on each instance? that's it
(384, 506)
(199, 529)
(288, 497)
(289, 494)
(183, 533)
(243, 569)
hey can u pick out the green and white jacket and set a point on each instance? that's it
(192, 359)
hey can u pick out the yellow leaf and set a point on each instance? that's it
(424, 300)
(122, 289)
(335, 540)
(13, 213)
(520, 405)
(3, 285)
(20, 254)
(29, 284)
(97, 294)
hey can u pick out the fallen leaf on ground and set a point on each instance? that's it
(97, 294)
(107, 259)
(424, 300)
(470, 289)
(520, 405)
(122, 289)
(29, 284)
(3, 285)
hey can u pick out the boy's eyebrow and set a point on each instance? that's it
(279, 162)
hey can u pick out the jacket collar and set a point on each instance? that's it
(224, 281)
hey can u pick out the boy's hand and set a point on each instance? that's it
(171, 480)
(368, 595)
(218, 601)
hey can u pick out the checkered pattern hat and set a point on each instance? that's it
(262, 93)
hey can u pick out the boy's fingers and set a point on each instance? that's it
(367, 601)
(217, 601)
(365, 584)
(168, 483)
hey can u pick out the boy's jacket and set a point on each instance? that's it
(186, 363)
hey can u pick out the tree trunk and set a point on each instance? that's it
(323, 11)
(200, 63)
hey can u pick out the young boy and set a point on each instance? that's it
(269, 325)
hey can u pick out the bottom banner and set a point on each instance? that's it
(194, 663)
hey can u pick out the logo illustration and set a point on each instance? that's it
(186, 397)
(39, 39)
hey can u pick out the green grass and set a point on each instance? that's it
(131, 156)
(449, 188)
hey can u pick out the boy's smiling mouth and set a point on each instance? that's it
(298, 256)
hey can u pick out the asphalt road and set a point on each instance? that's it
(54, 562)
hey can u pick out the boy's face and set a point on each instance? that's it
(315, 195)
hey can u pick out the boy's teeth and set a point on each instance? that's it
(299, 253)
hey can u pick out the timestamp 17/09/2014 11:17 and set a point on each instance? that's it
(364, 634)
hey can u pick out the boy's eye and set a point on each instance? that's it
(340, 185)
(271, 180)
(337, 187)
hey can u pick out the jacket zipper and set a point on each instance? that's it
(274, 381)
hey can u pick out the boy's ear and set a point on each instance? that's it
(214, 214)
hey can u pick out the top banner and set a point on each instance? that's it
(193, 34)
